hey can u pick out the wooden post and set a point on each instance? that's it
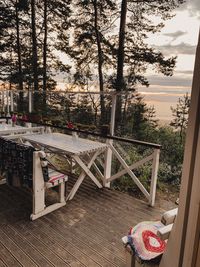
(38, 185)
(3, 104)
(154, 177)
(182, 246)
(7, 98)
(108, 153)
(11, 101)
(30, 106)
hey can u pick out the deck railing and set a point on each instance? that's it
(112, 151)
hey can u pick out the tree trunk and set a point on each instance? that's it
(120, 83)
(20, 104)
(45, 54)
(34, 52)
(100, 62)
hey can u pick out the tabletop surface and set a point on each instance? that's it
(9, 129)
(6, 127)
(66, 143)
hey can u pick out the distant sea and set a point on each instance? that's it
(162, 103)
(164, 94)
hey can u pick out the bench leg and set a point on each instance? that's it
(38, 185)
(130, 259)
(62, 192)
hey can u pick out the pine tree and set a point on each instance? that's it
(180, 114)
(91, 48)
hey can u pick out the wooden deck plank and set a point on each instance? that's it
(85, 233)
(16, 251)
(51, 249)
(2, 264)
(87, 244)
(7, 258)
(29, 249)
(73, 243)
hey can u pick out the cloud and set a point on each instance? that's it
(175, 35)
(181, 48)
(162, 83)
(193, 6)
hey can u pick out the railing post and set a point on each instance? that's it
(8, 108)
(11, 101)
(30, 106)
(108, 154)
(2, 99)
(154, 177)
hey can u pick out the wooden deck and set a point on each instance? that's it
(86, 232)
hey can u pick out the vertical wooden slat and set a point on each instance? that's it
(8, 105)
(11, 101)
(108, 153)
(154, 177)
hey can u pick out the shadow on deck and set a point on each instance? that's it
(86, 232)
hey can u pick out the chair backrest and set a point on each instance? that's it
(16, 161)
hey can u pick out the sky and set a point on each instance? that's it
(178, 38)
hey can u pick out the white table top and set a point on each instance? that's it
(6, 128)
(66, 143)
(9, 129)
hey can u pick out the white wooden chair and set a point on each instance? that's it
(167, 220)
(40, 186)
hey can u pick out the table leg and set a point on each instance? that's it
(86, 171)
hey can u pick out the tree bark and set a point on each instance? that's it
(120, 63)
(100, 63)
(20, 77)
(45, 54)
(120, 83)
(34, 51)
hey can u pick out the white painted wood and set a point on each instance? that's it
(87, 171)
(165, 231)
(108, 164)
(2, 181)
(133, 176)
(82, 177)
(108, 153)
(17, 136)
(62, 192)
(3, 100)
(113, 113)
(47, 210)
(38, 186)
(11, 101)
(131, 167)
(30, 103)
(8, 104)
(67, 144)
(169, 216)
(154, 177)
(9, 129)
(98, 171)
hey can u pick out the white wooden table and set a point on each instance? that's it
(74, 147)
(8, 129)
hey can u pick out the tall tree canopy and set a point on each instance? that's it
(102, 41)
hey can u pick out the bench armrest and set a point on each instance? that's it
(169, 216)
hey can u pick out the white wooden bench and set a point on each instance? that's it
(40, 186)
(41, 182)
(163, 233)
